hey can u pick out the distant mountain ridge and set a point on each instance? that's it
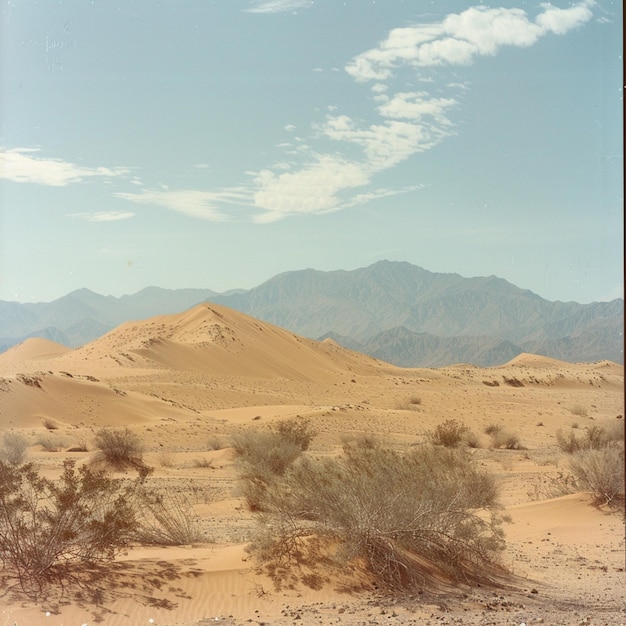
(393, 311)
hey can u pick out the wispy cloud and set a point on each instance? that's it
(205, 205)
(23, 165)
(103, 216)
(460, 37)
(278, 6)
(406, 122)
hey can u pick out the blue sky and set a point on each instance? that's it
(216, 144)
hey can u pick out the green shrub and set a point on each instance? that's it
(47, 527)
(409, 518)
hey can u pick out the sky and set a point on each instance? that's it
(215, 144)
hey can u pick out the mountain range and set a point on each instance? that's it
(393, 311)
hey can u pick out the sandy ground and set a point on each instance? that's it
(185, 383)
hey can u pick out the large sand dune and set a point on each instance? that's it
(184, 383)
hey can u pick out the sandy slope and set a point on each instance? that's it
(184, 383)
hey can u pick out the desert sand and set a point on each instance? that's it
(184, 383)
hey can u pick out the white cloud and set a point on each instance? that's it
(289, 127)
(386, 144)
(416, 106)
(203, 205)
(460, 37)
(313, 189)
(104, 216)
(21, 166)
(278, 6)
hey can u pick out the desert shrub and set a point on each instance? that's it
(47, 527)
(263, 455)
(51, 443)
(360, 440)
(50, 424)
(492, 429)
(119, 447)
(579, 409)
(167, 518)
(594, 437)
(298, 431)
(451, 434)
(507, 439)
(600, 471)
(13, 448)
(407, 518)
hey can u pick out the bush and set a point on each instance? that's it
(502, 438)
(263, 455)
(579, 409)
(595, 437)
(167, 518)
(451, 434)
(47, 527)
(120, 448)
(298, 431)
(13, 449)
(601, 472)
(408, 518)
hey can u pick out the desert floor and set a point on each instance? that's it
(185, 383)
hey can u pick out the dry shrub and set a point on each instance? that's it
(410, 404)
(601, 472)
(409, 519)
(594, 437)
(119, 447)
(503, 438)
(513, 381)
(579, 409)
(51, 443)
(264, 455)
(451, 434)
(50, 424)
(48, 527)
(13, 448)
(596, 461)
(167, 518)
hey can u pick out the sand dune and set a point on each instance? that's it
(186, 382)
(33, 349)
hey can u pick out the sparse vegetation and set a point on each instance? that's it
(579, 410)
(513, 381)
(594, 437)
(451, 434)
(410, 404)
(119, 447)
(167, 518)
(409, 518)
(601, 472)
(50, 424)
(263, 455)
(506, 439)
(596, 461)
(46, 526)
(13, 448)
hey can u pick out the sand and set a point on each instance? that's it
(184, 383)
